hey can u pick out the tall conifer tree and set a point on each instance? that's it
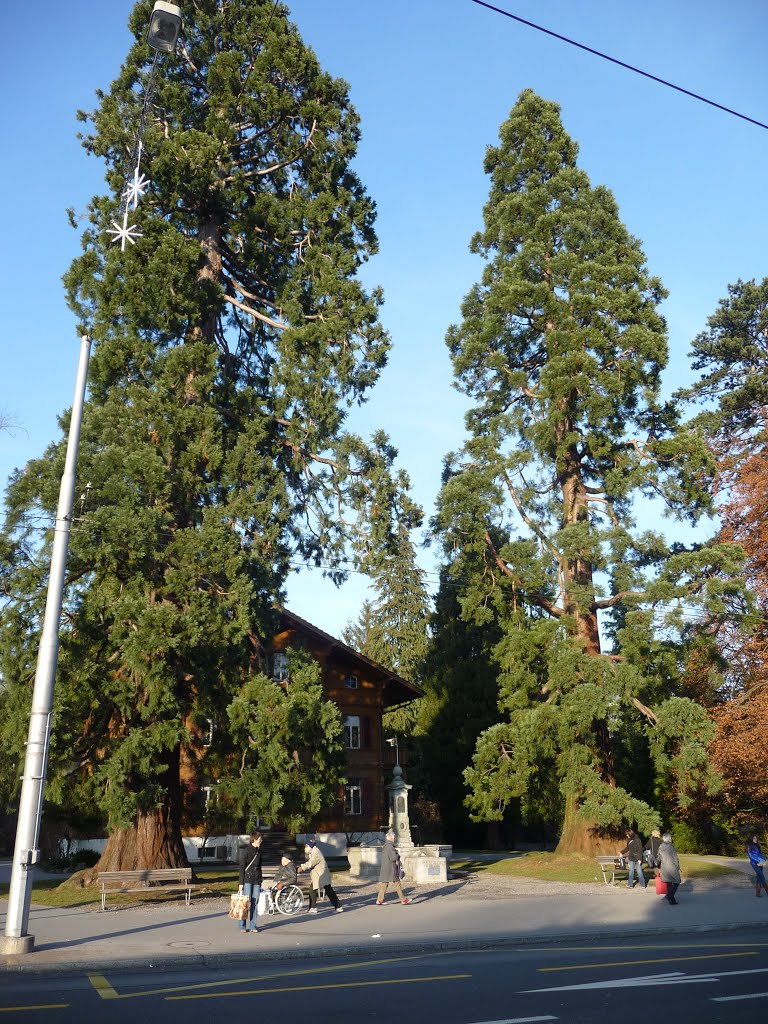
(229, 344)
(561, 349)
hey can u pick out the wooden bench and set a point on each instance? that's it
(613, 871)
(147, 880)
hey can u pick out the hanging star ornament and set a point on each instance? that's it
(124, 232)
(137, 186)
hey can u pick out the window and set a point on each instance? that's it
(352, 732)
(206, 734)
(353, 803)
(280, 667)
(350, 682)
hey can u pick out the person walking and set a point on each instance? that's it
(390, 871)
(757, 860)
(669, 867)
(250, 879)
(633, 851)
(320, 877)
(651, 849)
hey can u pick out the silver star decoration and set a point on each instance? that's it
(137, 186)
(124, 232)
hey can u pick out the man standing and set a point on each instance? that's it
(250, 879)
(633, 851)
(669, 867)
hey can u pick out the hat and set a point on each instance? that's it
(286, 856)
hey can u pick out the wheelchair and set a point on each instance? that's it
(288, 900)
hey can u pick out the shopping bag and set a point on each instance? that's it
(661, 887)
(261, 906)
(239, 905)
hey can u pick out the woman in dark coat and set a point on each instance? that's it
(390, 871)
(250, 879)
(757, 860)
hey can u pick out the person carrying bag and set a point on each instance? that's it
(250, 881)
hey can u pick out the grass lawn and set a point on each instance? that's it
(553, 867)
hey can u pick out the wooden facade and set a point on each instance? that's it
(363, 691)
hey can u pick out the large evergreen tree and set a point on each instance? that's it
(561, 349)
(731, 356)
(392, 628)
(229, 344)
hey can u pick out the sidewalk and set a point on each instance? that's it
(481, 911)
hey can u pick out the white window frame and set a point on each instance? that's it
(280, 667)
(352, 732)
(353, 797)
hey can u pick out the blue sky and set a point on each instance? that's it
(432, 81)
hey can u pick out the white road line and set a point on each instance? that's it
(514, 1020)
(731, 999)
(673, 978)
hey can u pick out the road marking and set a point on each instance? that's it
(659, 960)
(515, 1020)
(731, 999)
(674, 978)
(106, 991)
(318, 988)
(103, 987)
(42, 1006)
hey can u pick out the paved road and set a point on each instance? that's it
(682, 978)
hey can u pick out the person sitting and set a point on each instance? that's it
(286, 873)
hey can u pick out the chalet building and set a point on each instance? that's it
(363, 691)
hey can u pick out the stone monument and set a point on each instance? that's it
(423, 864)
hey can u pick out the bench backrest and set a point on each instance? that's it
(146, 875)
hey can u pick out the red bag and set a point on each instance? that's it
(661, 887)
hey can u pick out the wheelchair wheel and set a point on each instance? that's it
(289, 900)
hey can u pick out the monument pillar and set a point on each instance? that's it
(399, 822)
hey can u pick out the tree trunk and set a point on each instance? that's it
(154, 839)
(152, 842)
(580, 835)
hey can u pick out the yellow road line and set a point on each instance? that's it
(41, 1006)
(106, 991)
(318, 988)
(656, 960)
(103, 987)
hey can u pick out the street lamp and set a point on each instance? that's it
(162, 34)
(26, 852)
(392, 741)
(164, 27)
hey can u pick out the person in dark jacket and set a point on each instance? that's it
(286, 874)
(757, 860)
(633, 851)
(250, 879)
(651, 849)
(390, 871)
(669, 867)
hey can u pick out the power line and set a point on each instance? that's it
(620, 63)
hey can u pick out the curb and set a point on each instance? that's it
(165, 962)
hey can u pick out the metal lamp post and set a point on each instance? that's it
(392, 741)
(162, 34)
(26, 853)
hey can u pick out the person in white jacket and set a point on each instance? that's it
(320, 877)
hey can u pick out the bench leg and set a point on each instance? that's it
(103, 900)
(189, 896)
